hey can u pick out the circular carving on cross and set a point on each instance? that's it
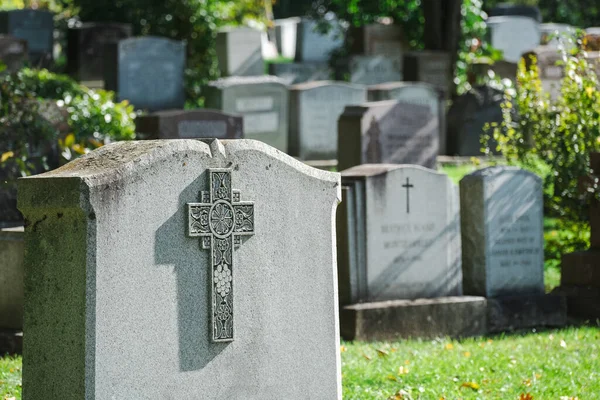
(221, 219)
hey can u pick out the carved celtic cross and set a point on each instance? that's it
(220, 220)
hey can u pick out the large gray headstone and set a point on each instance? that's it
(370, 70)
(147, 71)
(388, 132)
(13, 52)
(262, 101)
(179, 269)
(508, 9)
(419, 93)
(514, 35)
(314, 46)
(502, 215)
(34, 26)
(294, 73)
(239, 51)
(190, 124)
(433, 67)
(376, 40)
(85, 48)
(398, 234)
(314, 112)
(285, 35)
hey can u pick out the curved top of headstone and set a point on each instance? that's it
(366, 170)
(246, 80)
(153, 40)
(492, 172)
(508, 18)
(507, 9)
(320, 84)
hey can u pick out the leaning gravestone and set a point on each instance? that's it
(551, 72)
(85, 48)
(314, 111)
(388, 132)
(370, 70)
(315, 46)
(34, 26)
(189, 301)
(147, 71)
(433, 67)
(399, 239)
(261, 100)
(376, 40)
(514, 35)
(13, 52)
(419, 93)
(189, 124)
(502, 216)
(294, 73)
(239, 52)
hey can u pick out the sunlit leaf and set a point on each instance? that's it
(470, 385)
(6, 156)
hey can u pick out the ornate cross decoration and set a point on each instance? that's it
(408, 186)
(220, 220)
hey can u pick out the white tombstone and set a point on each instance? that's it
(514, 35)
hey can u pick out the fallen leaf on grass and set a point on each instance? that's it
(392, 378)
(467, 354)
(449, 346)
(524, 396)
(366, 356)
(470, 385)
(342, 349)
(527, 382)
(382, 353)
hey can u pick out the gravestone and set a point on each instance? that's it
(294, 73)
(370, 70)
(377, 40)
(399, 239)
(502, 214)
(389, 132)
(261, 100)
(285, 35)
(313, 45)
(189, 301)
(239, 52)
(314, 111)
(550, 68)
(85, 48)
(554, 34)
(507, 9)
(34, 26)
(418, 93)
(433, 67)
(514, 35)
(189, 124)
(13, 52)
(467, 118)
(147, 71)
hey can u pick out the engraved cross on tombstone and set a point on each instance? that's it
(220, 220)
(408, 186)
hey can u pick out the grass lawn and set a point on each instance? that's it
(10, 378)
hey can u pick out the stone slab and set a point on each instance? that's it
(433, 67)
(296, 73)
(458, 317)
(523, 312)
(127, 282)
(514, 35)
(581, 268)
(315, 46)
(371, 70)
(376, 40)
(239, 51)
(11, 277)
(582, 302)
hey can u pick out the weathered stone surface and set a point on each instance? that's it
(190, 124)
(314, 112)
(461, 316)
(502, 232)
(582, 302)
(147, 71)
(34, 26)
(581, 268)
(261, 100)
(118, 281)
(398, 234)
(433, 67)
(313, 45)
(521, 312)
(294, 73)
(392, 131)
(376, 40)
(11, 278)
(239, 52)
(371, 70)
(514, 35)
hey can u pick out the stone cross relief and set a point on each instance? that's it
(408, 186)
(220, 220)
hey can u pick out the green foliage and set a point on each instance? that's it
(554, 137)
(563, 237)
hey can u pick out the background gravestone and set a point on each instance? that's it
(370, 70)
(314, 46)
(314, 112)
(261, 100)
(13, 52)
(285, 36)
(419, 93)
(146, 71)
(514, 35)
(34, 26)
(431, 67)
(387, 132)
(85, 48)
(507, 9)
(553, 34)
(128, 281)
(189, 124)
(376, 40)
(467, 118)
(294, 73)
(550, 73)
(239, 52)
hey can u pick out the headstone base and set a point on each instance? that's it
(581, 268)
(11, 342)
(582, 302)
(521, 312)
(459, 316)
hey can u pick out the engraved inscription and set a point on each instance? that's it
(220, 220)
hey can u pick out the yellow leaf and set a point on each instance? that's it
(589, 91)
(402, 371)
(449, 346)
(467, 354)
(69, 140)
(470, 385)
(538, 376)
(524, 396)
(342, 349)
(6, 156)
(391, 378)
(527, 382)
(366, 356)
(78, 148)
(382, 353)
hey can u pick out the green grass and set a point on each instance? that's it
(10, 377)
(547, 365)
(456, 172)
